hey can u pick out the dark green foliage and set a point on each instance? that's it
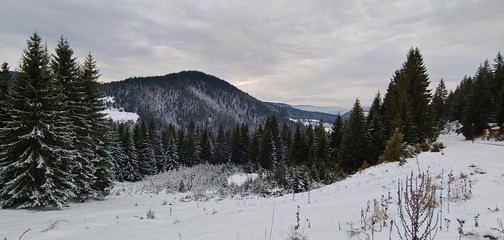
(353, 150)
(189, 151)
(66, 73)
(221, 152)
(102, 145)
(146, 158)
(398, 109)
(439, 104)
(170, 147)
(395, 149)
(154, 141)
(129, 165)
(375, 131)
(298, 149)
(267, 148)
(478, 109)
(406, 104)
(206, 147)
(335, 137)
(36, 152)
(416, 74)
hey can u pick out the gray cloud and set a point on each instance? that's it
(319, 52)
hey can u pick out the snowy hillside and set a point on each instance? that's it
(337, 211)
(117, 114)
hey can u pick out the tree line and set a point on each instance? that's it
(476, 101)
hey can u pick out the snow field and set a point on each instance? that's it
(325, 213)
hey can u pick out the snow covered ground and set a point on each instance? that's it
(325, 213)
(117, 115)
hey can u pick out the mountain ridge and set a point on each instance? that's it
(209, 101)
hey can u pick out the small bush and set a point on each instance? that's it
(395, 150)
(151, 214)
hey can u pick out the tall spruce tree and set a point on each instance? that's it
(439, 104)
(146, 159)
(170, 147)
(36, 152)
(375, 131)
(66, 72)
(129, 165)
(102, 132)
(406, 104)
(415, 73)
(353, 151)
(267, 149)
(155, 143)
(205, 146)
(335, 137)
(297, 155)
(221, 152)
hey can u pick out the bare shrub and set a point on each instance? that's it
(416, 202)
(296, 233)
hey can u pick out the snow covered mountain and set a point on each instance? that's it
(178, 98)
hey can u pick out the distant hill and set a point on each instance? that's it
(331, 110)
(178, 98)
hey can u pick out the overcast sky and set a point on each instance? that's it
(319, 52)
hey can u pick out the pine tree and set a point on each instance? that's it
(66, 72)
(254, 149)
(267, 149)
(189, 150)
(101, 131)
(235, 145)
(155, 143)
(116, 152)
(353, 150)
(129, 165)
(375, 131)
(244, 144)
(36, 154)
(335, 137)
(298, 149)
(146, 159)
(206, 146)
(439, 104)
(170, 147)
(221, 152)
(415, 73)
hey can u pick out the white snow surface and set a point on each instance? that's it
(118, 115)
(241, 178)
(325, 213)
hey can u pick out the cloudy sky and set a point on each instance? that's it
(319, 52)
